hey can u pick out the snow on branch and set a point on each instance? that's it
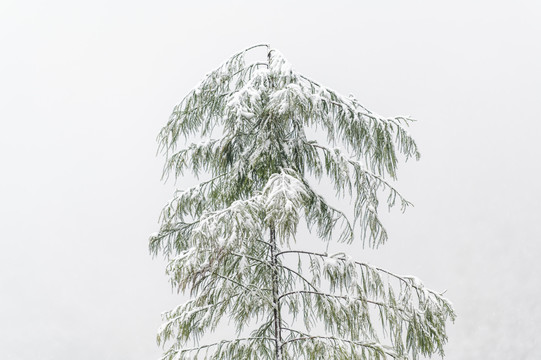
(283, 194)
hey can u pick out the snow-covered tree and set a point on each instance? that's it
(230, 241)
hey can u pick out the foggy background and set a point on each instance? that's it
(86, 86)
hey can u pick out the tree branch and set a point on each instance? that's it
(222, 342)
(399, 277)
(373, 346)
(342, 297)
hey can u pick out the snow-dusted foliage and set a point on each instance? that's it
(229, 238)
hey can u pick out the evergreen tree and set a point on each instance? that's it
(230, 241)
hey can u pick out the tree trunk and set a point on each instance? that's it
(275, 295)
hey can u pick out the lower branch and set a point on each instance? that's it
(399, 277)
(342, 297)
(223, 342)
(372, 346)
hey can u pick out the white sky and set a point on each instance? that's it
(86, 86)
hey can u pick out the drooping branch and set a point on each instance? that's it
(402, 278)
(224, 346)
(341, 297)
(378, 348)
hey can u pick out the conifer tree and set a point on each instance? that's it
(230, 241)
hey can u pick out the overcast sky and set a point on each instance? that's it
(86, 86)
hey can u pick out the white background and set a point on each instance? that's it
(86, 86)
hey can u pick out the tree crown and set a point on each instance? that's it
(215, 234)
